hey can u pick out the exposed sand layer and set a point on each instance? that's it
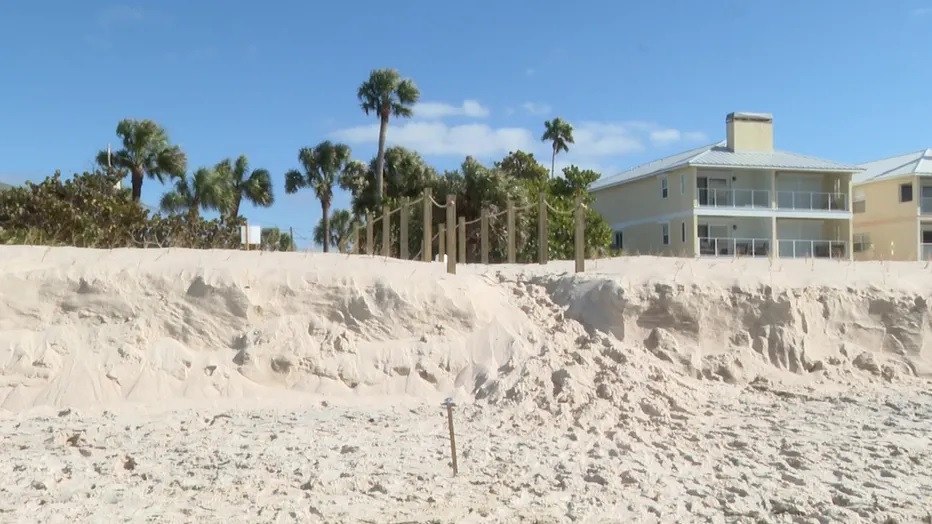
(179, 385)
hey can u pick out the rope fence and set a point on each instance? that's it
(453, 240)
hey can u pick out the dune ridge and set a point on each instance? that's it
(227, 386)
(83, 327)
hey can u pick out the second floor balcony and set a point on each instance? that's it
(925, 205)
(761, 199)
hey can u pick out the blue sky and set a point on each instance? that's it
(847, 81)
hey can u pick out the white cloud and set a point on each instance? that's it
(597, 144)
(535, 109)
(436, 138)
(595, 139)
(433, 110)
(662, 137)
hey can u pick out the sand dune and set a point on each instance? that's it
(255, 387)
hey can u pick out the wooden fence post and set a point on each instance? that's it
(579, 236)
(386, 231)
(369, 233)
(461, 249)
(484, 236)
(451, 234)
(405, 213)
(427, 250)
(542, 240)
(512, 252)
(441, 241)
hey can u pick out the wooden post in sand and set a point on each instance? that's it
(542, 243)
(428, 204)
(451, 234)
(579, 237)
(403, 233)
(386, 231)
(484, 236)
(370, 228)
(511, 231)
(461, 237)
(449, 405)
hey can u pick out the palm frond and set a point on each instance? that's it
(258, 188)
(294, 181)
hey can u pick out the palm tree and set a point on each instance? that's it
(254, 186)
(146, 151)
(341, 230)
(560, 133)
(322, 167)
(386, 94)
(207, 189)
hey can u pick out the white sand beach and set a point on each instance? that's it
(224, 386)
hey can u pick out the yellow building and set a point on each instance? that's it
(737, 197)
(892, 206)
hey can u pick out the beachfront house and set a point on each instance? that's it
(737, 197)
(892, 205)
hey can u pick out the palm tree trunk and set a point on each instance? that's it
(325, 208)
(553, 162)
(380, 161)
(237, 198)
(137, 175)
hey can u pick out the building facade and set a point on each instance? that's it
(737, 197)
(892, 205)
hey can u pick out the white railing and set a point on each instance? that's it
(812, 200)
(925, 205)
(734, 197)
(730, 247)
(813, 249)
(926, 250)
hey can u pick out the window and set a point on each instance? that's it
(683, 184)
(664, 187)
(906, 192)
(859, 201)
(665, 234)
(683, 231)
(862, 242)
(618, 242)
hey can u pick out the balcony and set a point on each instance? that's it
(796, 200)
(731, 247)
(720, 197)
(925, 205)
(835, 249)
(812, 201)
(926, 251)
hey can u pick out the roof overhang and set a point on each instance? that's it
(850, 170)
(666, 171)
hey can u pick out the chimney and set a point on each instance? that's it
(749, 132)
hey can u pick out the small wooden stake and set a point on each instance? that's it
(448, 403)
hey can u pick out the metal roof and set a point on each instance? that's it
(915, 163)
(718, 155)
